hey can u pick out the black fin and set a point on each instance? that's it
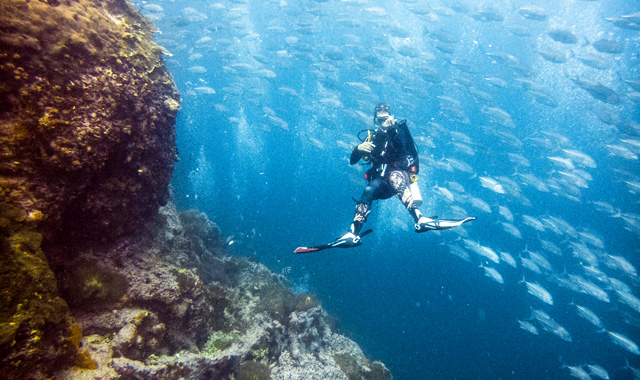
(365, 233)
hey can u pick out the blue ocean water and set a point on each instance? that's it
(526, 115)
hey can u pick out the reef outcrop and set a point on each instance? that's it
(87, 147)
(167, 303)
(87, 115)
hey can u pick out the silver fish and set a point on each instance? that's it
(492, 184)
(620, 263)
(508, 259)
(539, 292)
(578, 373)
(598, 91)
(528, 326)
(533, 12)
(590, 316)
(580, 157)
(608, 46)
(589, 288)
(598, 371)
(563, 36)
(504, 211)
(551, 326)
(513, 230)
(493, 274)
(554, 56)
(624, 342)
(629, 300)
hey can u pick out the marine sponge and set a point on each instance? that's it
(306, 301)
(252, 370)
(88, 284)
(220, 341)
(354, 371)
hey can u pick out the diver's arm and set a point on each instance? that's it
(356, 155)
(360, 151)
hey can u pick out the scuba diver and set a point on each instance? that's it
(391, 151)
(395, 166)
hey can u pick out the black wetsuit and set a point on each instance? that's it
(394, 159)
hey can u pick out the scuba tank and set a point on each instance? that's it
(415, 190)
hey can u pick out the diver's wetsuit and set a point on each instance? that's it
(394, 159)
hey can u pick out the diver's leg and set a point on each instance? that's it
(363, 207)
(360, 217)
(399, 181)
(416, 214)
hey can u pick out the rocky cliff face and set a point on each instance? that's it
(87, 116)
(94, 282)
(87, 113)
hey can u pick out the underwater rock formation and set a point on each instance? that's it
(87, 146)
(167, 303)
(87, 114)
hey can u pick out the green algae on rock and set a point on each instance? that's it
(35, 327)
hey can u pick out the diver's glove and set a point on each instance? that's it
(390, 122)
(366, 147)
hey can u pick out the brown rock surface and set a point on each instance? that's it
(87, 146)
(87, 113)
